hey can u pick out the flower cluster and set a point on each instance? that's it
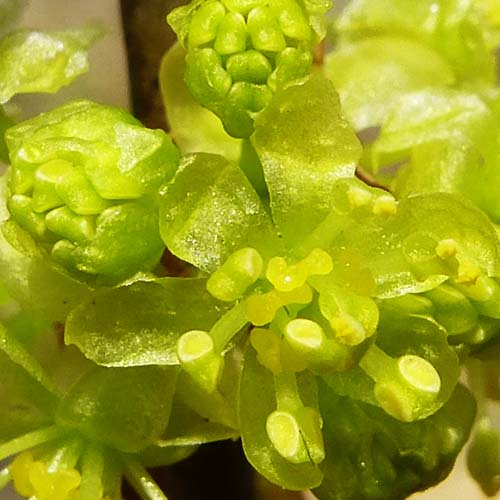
(325, 320)
(83, 184)
(241, 52)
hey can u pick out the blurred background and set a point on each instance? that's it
(108, 83)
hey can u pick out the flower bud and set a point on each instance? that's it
(83, 184)
(241, 52)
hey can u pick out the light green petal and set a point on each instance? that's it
(35, 61)
(140, 324)
(305, 146)
(372, 73)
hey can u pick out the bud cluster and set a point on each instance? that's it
(82, 184)
(242, 51)
(467, 305)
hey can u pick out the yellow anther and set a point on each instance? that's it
(318, 262)
(385, 205)
(301, 295)
(267, 344)
(468, 273)
(55, 485)
(260, 309)
(348, 330)
(358, 197)
(19, 472)
(286, 277)
(283, 276)
(446, 249)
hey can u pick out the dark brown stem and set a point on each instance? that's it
(147, 37)
(319, 54)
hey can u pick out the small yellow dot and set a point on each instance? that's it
(358, 197)
(446, 249)
(468, 273)
(385, 205)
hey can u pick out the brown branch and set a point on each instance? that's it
(147, 37)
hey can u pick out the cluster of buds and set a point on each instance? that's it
(83, 185)
(239, 52)
(467, 305)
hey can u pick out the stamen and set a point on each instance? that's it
(446, 249)
(260, 309)
(142, 482)
(419, 373)
(286, 278)
(294, 429)
(195, 350)
(358, 197)
(91, 487)
(240, 271)
(405, 388)
(385, 206)
(267, 344)
(468, 273)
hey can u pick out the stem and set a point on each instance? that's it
(319, 54)
(19, 355)
(228, 326)
(213, 406)
(29, 440)
(112, 475)
(147, 37)
(143, 483)
(92, 470)
(477, 384)
(376, 362)
(66, 456)
(324, 234)
(287, 392)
